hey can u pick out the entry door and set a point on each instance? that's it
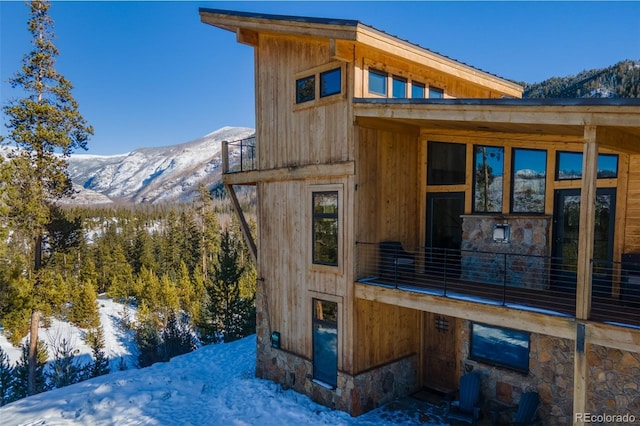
(444, 229)
(566, 231)
(440, 361)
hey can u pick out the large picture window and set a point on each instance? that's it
(499, 346)
(528, 181)
(487, 178)
(325, 228)
(446, 163)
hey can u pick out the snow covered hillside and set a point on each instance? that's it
(214, 385)
(152, 175)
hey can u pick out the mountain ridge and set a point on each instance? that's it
(152, 175)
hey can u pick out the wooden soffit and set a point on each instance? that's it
(618, 126)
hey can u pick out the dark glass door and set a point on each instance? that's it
(444, 230)
(566, 232)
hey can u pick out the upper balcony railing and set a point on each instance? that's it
(239, 156)
(535, 283)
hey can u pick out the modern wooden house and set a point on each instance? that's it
(418, 220)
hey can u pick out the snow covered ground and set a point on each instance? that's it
(214, 385)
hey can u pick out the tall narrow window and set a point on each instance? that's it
(330, 82)
(399, 87)
(325, 342)
(528, 181)
(417, 90)
(435, 92)
(487, 178)
(305, 89)
(325, 228)
(378, 82)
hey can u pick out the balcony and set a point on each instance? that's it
(239, 156)
(534, 283)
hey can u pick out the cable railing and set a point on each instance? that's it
(538, 283)
(239, 156)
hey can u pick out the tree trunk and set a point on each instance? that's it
(35, 321)
(33, 352)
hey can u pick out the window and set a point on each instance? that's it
(436, 93)
(399, 87)
(446, 163)
(528, 181)
(569, 166)
(325, 228)
(487, 178)
(325, 342)
(417, 89)
(500, 346)
(330, 82)
(305, 89)
(378, 82)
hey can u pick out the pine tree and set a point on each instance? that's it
(6, 378)
(20, 387)
(147, 337)
(44, 123)
(84, 307)
(177, 338)
(100, 364)
(64, 370)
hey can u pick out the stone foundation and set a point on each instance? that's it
(354, 394)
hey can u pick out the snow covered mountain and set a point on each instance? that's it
(152, 175)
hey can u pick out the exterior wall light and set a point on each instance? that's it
(275, 339)
(502, 233)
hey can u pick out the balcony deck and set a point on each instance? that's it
(532, 283)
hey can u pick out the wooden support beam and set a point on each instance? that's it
(580, 374)
(244, 226)
(225, 157)
(247, 37)
(587, 223)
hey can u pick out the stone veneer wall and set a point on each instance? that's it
(550, 374)
(354, 394)
(529, 238)
(614, 382)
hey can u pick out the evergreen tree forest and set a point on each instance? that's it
(190, 281)
(621, 80)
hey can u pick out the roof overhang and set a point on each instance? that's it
(246, 25)
(616, 120)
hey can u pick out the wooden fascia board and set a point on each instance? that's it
(556, 115)
(612, 336)
(310, 171)
(394, 46)
(286, 27)
(533, 322)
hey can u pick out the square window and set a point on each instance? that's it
(399, 87)
(436, 93)
(446, 163)
(305, 89)
(330, 82)
(378, 82)
(529, 181)
(417, 90)
(325, 228)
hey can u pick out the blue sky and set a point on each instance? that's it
(151, 74)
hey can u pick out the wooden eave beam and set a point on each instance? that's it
(234, 23)
(618, 139)
(556, 115)
(342, 50)
(391, 45)
(310, 171)
(247, 37)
